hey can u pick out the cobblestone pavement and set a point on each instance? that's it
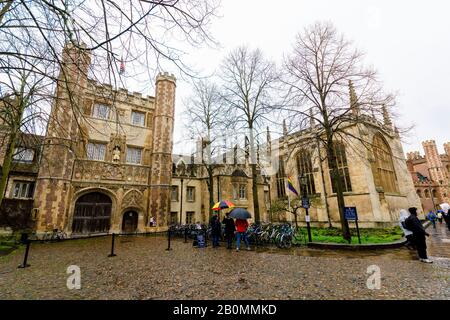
(143, 269)
(439, 242)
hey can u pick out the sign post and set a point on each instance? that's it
(306, 205)
(352, 215)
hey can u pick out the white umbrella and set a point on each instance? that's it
(445, 207)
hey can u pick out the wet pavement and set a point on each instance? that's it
(438, 243)
(143, 269)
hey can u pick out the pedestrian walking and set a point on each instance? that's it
(408, 233)
(230, 229)
(241, 233)
(432, 217)
(216, 229)
(439, 216)
(446, 213)
(413, 223)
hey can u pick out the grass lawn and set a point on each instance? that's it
(7, 245)
(368, 236)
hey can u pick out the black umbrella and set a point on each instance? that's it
(240, 213)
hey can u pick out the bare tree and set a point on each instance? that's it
(249, 82)
(319, 73)
(147, 36)
(205, 116)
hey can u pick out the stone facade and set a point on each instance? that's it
(106, 165)
(431, 174)
(68, 171)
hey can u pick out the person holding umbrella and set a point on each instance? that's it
(446, 208)
(230, 229)
(216, 226)
(241, 216)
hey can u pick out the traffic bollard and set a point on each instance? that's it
(112, 254)
(25, 258)
(168, 241)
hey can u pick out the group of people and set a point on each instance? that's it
(415, 232)
(439, 216)
(232, 228)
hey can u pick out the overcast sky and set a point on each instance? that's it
(408, 42)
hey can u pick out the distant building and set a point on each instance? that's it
(431, 174)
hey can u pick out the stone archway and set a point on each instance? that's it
(92, 213)
(130, 221)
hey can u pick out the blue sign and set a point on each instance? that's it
(305, 203)
(350, 213)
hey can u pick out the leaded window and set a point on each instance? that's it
(23, 190)
(305, 169)
(281, 185)
(342, 166)
(101, 111)
(137, 118)
(134, 155)
(384, 167)
(23, 155)
(96, 151)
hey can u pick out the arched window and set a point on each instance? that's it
(281, 188)
(427, 194)
(305, 168)
(344, 175)
(384, 167)
(434, 193)
(419, 193)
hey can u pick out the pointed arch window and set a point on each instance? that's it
(384, 166)
(281, 188)
(342, 164)
(305, 168)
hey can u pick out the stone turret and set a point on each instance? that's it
(447, 149)
(63, 135)
(386, 117)
(354, 107)
(434, 162)
(163, 126)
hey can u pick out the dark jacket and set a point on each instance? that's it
(229, 226)
(413, 223)
(215, 225)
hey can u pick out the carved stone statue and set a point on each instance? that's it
(116, 154)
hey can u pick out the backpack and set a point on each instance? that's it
(408, 224)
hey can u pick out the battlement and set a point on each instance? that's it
(414, 156)
(166, 76)
(123, 95)
(429, 143)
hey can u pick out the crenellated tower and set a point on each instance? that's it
(163, 126)
(434, 162)
(60, 142)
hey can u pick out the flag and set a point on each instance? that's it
(291, 186)
(122, 66)
(422, 178)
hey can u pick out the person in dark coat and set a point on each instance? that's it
(230, 228)
(413, 223)
(216, 229)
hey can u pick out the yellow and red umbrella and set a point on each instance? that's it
(224, 204)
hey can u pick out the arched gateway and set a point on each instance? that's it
(92, 213)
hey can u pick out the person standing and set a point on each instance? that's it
(432, 217)
(241, 233)
(216, 229)
(439, 216)
(230, 229)
(413, 223)
(408, 233)
(446, 216)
